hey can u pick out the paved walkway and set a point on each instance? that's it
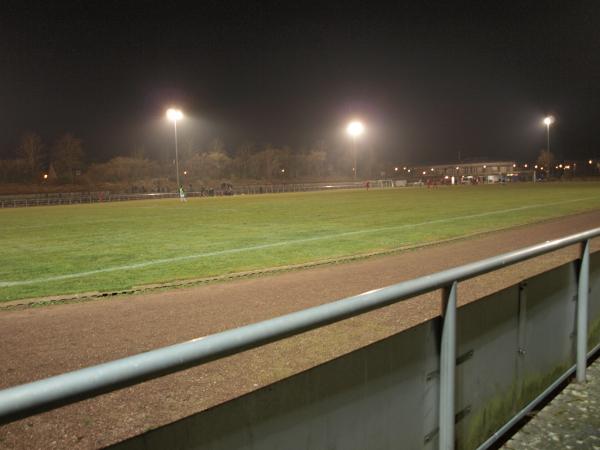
(570, 421)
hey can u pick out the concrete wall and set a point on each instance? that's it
(511, 346)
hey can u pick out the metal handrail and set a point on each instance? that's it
(31, 398)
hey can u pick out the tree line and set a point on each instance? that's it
(33, 156)
(63, 161)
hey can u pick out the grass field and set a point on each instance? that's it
(113, 246)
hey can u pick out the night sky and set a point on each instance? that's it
(429, 79)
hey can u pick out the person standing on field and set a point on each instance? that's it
(182, 194)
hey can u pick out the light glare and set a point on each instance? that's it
(174, 114)
(355, 128)
(548, 121)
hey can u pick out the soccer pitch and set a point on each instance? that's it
(116, 246)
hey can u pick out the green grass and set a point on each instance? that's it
(233, 234)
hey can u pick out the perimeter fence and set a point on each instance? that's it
(76, 198)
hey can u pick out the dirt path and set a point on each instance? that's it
(39, 342)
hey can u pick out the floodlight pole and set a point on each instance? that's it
(354, 148)
(176, 154)
(548, 135)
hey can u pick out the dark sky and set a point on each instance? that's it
(429, 79)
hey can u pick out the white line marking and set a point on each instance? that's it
(276, 244)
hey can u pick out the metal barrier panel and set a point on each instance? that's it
(521, 340)
(510, 347)
(594, 305)
(372, 398)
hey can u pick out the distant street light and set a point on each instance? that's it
(548, 121)
(355, 129)
(174, 115)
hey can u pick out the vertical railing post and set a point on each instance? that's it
(447, 368)
(582, 311)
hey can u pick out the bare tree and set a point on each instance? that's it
(545, 160)
(31, 151)
(68, 156)
(242, 160)
(138, 152)
(216, 146)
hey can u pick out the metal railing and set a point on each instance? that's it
(28, 399)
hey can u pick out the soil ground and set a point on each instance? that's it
(38, 342)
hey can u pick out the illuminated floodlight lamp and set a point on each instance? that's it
(590, 161)
(395, 169)
(549, 120)
(174, 114)
(355, 128)
(45, 176)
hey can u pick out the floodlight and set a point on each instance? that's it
(174, 114)
(355, 128)
(548, 121)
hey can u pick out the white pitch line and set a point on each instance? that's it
(277, 244)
